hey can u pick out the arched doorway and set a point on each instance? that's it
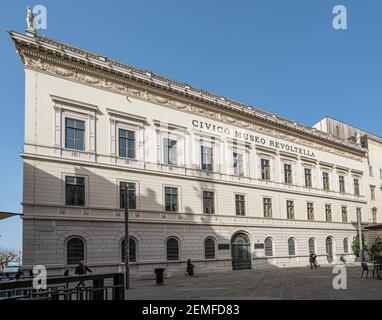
(241, 252)
(329, 249)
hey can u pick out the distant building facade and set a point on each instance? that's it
(209, 179)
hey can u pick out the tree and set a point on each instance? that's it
(356, 245)
(375, 248)
(7, 256)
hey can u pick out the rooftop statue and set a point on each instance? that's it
(29, 20)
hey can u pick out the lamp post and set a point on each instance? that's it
(360, 233)
(127, 253)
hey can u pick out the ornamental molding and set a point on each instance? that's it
(48, 56)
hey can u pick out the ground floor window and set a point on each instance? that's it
(75, 251)
(209, 248)
(132, 250)
(172, 249)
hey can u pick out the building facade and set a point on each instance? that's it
(208, 178)
(373, 169)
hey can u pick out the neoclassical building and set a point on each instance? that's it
(208, 178)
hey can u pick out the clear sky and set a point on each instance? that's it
(279, 55)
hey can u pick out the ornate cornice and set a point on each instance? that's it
(53, 57)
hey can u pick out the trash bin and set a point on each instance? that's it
(159, 273)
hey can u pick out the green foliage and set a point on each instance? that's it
(356, 245)
(376, 247)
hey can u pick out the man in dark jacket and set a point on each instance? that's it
(82, 269)
(313, 260)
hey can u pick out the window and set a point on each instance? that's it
(74, 134)
(132, 250)
(127, 144)
(341, 181)
(291, 247)
(208, 202)
(209, 248)
(328, 212)
(325, 180)
(265, 169)
(75, 251)
(171, 199)
(268, 246)
(380, 174)
(374, 214)
(356, 187)
(312, 245)
(131, 195)
(172, 246)
(238, 164)
(290, 209)
(344, 211)
(310, 210)
(372, 192)
(267, 207)
(74, 191)
(240, 204)
(371, 174)
(288, 173)
(346, 245)
(169, 151)
(207, 158)
(308, 177)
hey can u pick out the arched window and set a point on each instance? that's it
(172, 249)
(312, 246)
(346, 245)
(75, 251)
(291, 247)
(268, 247)
(209, 248)
(132, 249)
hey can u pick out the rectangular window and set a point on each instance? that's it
(265, 169)
(238, 164)
(290, 209)
(341, 181)
(267, 202)
(74, 191)
(208, 202)
(169, 151)
(74, 134)
(310, 210)
(380, 174)
(328, 212)
(371, 174)
(374, 215)
(240, 204)
(171, 199)
(344, 211)
(288, 173)
(308, 177)
(127, 144)
(131, 195)
(356, 187)
(372, 192)
(207, 158)
(325, 180)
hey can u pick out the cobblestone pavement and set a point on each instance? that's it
(285, 283)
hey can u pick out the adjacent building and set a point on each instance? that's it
(373, 167)
(208, 178)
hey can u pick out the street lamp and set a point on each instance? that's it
(127, 253)
(359, 217)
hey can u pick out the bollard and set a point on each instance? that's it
(159, 275)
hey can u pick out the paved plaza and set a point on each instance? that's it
(286, 283)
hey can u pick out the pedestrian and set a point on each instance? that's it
(82, 269)
(313, 260)
(342, 259)
(19, 274)
(190, 268)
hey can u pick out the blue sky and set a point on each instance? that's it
(281, 56)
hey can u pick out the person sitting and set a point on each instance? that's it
(190, 268)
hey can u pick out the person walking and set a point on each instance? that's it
(313, 260)
(82, 269)
(190, 268)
